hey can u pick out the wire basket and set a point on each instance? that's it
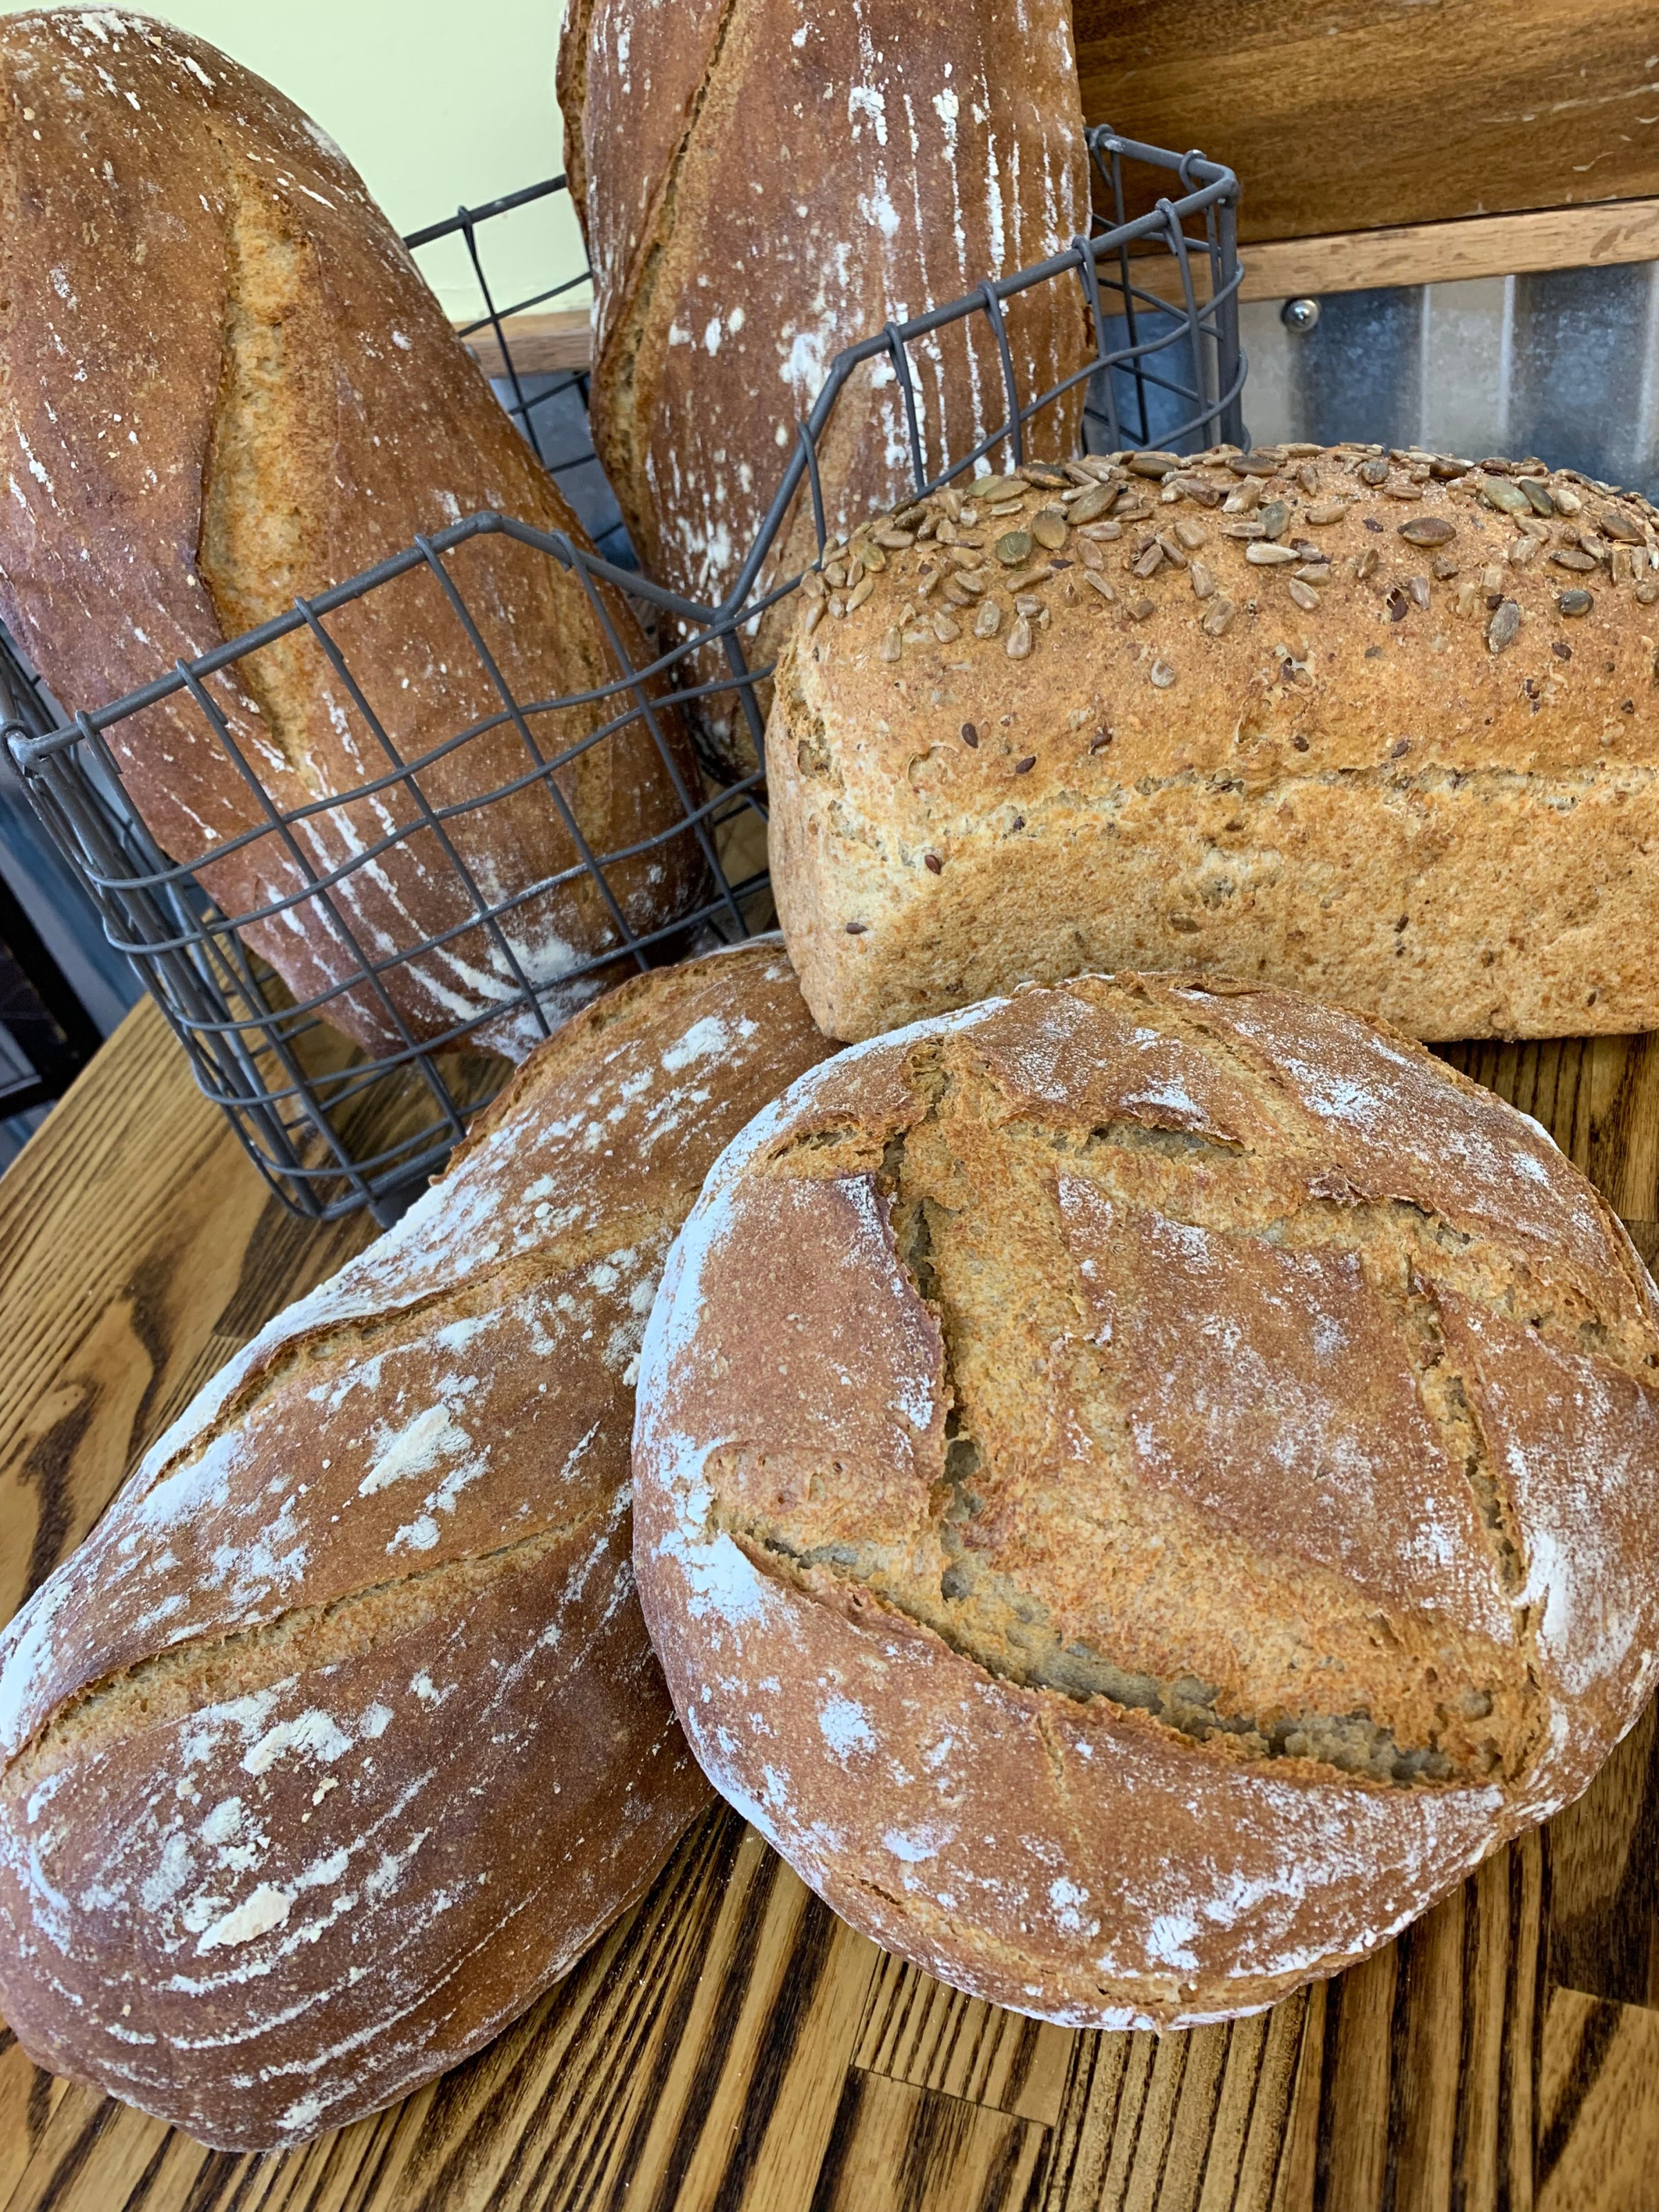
(332, 1127)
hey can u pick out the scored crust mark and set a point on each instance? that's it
(489, 1288)
(1034, 1579)
(614, 375)
(213, 1670)
(258, 530)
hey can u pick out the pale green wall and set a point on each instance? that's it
(436, 101)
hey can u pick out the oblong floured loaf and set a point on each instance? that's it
(1193, 1502)
(764, 184)
(340, 1737)
(1386, 731)
(227, 385)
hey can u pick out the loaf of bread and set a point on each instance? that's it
(341, 1736)
(227, 385)
(1378, 727)
(1141, 1486)
(764, 184)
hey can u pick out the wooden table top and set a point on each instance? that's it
(729, 2044)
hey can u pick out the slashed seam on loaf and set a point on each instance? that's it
(1447, 1704)
(256, 545)
(622, 342)
(212, 1670)
(157, 1689)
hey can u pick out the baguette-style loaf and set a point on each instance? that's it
(341, 1736)
(765, 184)
(226, 385)
(1194, 1500)
(1381, 727)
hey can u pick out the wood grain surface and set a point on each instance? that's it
(729, 2044)
(1344, 114)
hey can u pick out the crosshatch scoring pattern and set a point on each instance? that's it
(729, 2044)
(318, 1117)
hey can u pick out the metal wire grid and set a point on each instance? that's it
(332, 1128)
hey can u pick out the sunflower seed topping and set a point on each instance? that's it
(1418, 587)
(1364, 563)
(1619, 525)
(1303, 595)
(1505, 627)
(1427, 530)
(1264, 555)
(1139, 609)
(988, 621)
(1577, 602)
(1163, 675)
(1567, 501)
(1506, 495)
(1089, 506)
(1148, 562)
(1569, 556)
(892, 645)
(1326, 510)
(1018, 644)
(1203, 581)
(860, 593)
(1537, 495)
(1216, 618)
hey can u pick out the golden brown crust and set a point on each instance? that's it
(1401, 776)
(342, 1736)
(732, 260)
(1188, 1509)
(227, 385)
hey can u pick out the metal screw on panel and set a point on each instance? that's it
(1299, 315)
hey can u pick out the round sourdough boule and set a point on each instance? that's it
(1139, 1486)
(340, 1737)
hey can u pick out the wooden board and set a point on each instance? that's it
(1344, 114)
(538, 344)
(729, 2044)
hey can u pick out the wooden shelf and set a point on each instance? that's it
(539, 345)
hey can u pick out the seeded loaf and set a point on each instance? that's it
(225, 385)
(1379, 727)
(764, 185)
(341, 1737)
(1192, 1501)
